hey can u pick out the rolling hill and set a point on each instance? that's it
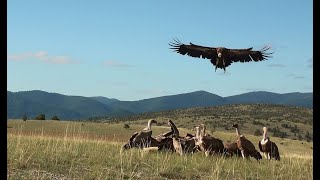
(283, 121)
(35, 102)
(187, 100)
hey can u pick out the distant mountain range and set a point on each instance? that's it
(36, 102)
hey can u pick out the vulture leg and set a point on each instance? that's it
(224, 66)
(265, 155)
(242, 153)
(217, 62)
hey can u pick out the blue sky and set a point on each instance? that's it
(119, 49)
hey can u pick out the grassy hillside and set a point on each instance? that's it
(86, 150)
(286, 121)
(292, 99)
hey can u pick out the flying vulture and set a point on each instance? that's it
(220, 57)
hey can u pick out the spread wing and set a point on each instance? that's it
(133, 136)
(142, 136)
(246, 55)
(193, 50)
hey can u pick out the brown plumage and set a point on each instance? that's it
(232, 149)
(246, 147)
(182, 145)
(165, 141)
(207, 143)
(143, 138)
(220, 57)
(267, 147)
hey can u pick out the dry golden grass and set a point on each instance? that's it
(47, 158)
(73, 155)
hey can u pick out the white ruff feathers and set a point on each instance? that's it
(264, 141)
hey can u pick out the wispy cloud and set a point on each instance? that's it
(117, 64)
(260, 89)
(277, 65)
(310, 62)
(19, 57)
(298, 77)
(116, 83)
(41, 56)
(295, 76)
(308, 88)
(153, 92)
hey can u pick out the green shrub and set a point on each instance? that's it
(40, 117)
(55, 118)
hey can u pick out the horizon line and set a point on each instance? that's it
(161, 96)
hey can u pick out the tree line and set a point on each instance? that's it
(40, 117)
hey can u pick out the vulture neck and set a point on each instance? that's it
(203, 130)
(149, 126)
(265, 137)
(238, 132)
(173, 128)
(197, 133)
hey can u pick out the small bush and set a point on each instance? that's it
(24, 117)
(257, 132)
(40, 117)
(55, 118)
(126, 126)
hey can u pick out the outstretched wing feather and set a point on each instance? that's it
(133, 136)
(246, 55)
(193, 50)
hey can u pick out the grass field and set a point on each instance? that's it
(78, 150)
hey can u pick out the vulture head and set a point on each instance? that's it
(235, 126)
(151, 121)
(264, 129)
(219, 52)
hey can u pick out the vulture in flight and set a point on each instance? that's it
(220, 57)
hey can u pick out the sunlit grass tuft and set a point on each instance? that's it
(69, 150)
(40, 157)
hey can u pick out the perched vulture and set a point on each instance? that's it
(143, 138)
(269, 148)
(246, 147)
(208, 144)
(231, 149)
(182, 145)
(220, 57)
(165, 141)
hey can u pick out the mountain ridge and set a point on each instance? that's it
(73, 107)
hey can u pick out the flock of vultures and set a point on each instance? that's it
(202, 142)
